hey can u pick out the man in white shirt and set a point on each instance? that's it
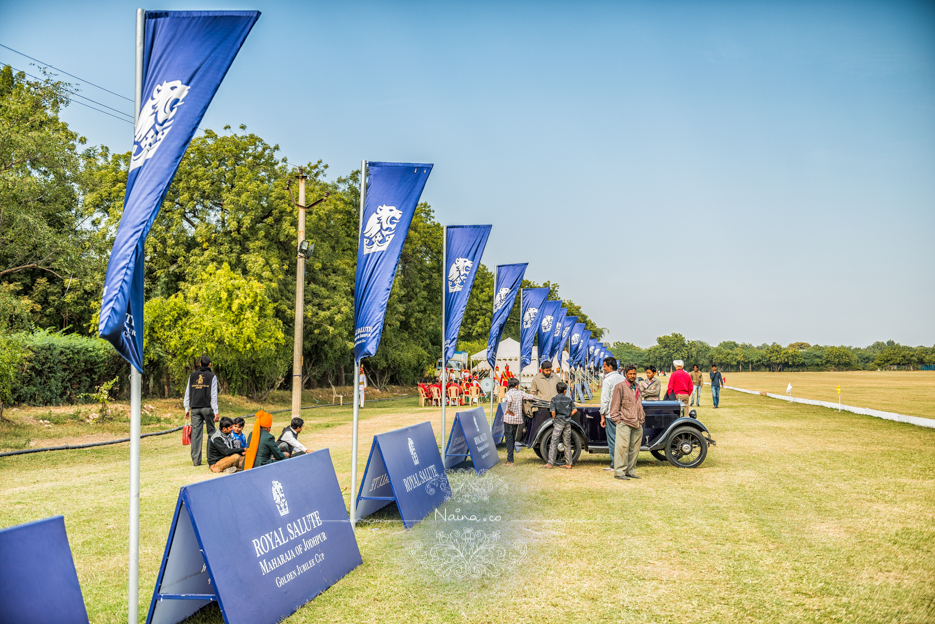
(611, 378)
(288, 441)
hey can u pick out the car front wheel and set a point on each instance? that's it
(686, 448)
(576, 446)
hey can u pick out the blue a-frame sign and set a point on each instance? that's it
(497, 428)
(38, 580)
(472, 439)
(404, 466)
(260, 543)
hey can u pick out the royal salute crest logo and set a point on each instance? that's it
(565, 332)
(129, 330)
(279, 497)
(412, 451)
(547, 324)
(500, 299)
(156, 118)
(558, 331)
(575, 339)
(458, 274)
(381, 228)
(529, 317)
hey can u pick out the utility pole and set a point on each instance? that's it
(299, 304)
(303, 250)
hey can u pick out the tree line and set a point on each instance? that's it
(797, 356)
(220, 260)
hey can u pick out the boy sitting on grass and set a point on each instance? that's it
(563, 408)
(239, 439)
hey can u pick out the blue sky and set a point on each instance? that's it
(759, 171)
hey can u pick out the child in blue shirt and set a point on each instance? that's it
(239, 439)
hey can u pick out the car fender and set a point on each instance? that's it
(660, 440)
(547, 425)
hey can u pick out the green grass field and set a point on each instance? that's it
(905, 392)
(799, 514)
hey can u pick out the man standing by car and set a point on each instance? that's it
(201, 404)
(611, 379)
(680, 383)
(697, 382)
(716, 383)
(626, 410)
(544, 387)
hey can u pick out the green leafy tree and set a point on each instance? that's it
(839, 358)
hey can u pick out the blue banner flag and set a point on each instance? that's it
(464, 246)
(546, 327)
(393, 190)
(533, 298)
(185, 57)
(583, 347)
(592, 352)
(509, 279)
(567, 326)
(574, 343)
(557, 335)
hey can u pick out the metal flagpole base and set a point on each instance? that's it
(354, 445)
(133, 589)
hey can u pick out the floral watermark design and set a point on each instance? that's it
(465, 486)
(469, 554)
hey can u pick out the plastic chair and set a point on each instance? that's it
(423, 396)
(454, 395)
(436, 396)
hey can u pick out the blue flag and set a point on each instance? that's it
(533, 298)
(463, 250)
(592, 351)
(546, 327)
(567, 325)
(185, 57)
(557, 335)
(393, 191)
(574, 342)
(509, 279)
(583, 352)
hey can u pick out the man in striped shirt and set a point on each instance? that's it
(513, 415)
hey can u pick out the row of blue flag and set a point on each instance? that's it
(186, 55)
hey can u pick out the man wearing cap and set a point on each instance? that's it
(268, 451)
(680, 383)
(201, 404)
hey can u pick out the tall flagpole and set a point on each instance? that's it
(444, 375)
(136, 389)
(363, 199)
(496, 344)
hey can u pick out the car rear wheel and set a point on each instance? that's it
(576, 445)
(686, 448)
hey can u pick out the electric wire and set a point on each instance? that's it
(66, 73)
(129, 121)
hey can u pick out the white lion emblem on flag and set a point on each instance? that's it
(156, 120)
(558, 330)
(458, 274)
(529, 317)
(500, 299)
(380, 229)
(546, 324)
(575, 338)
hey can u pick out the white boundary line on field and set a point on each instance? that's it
(863, 411)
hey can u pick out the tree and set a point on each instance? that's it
(839, 358)
(49, 249)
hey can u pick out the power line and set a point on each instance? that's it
(129, 121)
(66, 73)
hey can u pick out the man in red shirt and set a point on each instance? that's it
(680, 383)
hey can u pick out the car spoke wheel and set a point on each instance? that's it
(660, 455)
(576, 445)
(686, 448)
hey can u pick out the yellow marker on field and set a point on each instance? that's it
(839, 389)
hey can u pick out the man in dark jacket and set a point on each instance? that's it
(288, 441)
(201, 404)
(268, 451)
(717, 381)
(223, 454)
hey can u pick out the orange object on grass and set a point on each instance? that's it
(263, 419)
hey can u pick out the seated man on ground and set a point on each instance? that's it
(289, 439)
(223, 456)
(267, 452)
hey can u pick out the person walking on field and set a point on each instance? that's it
(201, 405)
(363, 385)
(611, 379)
(717, 382)
(680, 383)
(626, 410)
(697, 381)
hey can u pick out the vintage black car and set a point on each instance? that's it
(667, 433)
